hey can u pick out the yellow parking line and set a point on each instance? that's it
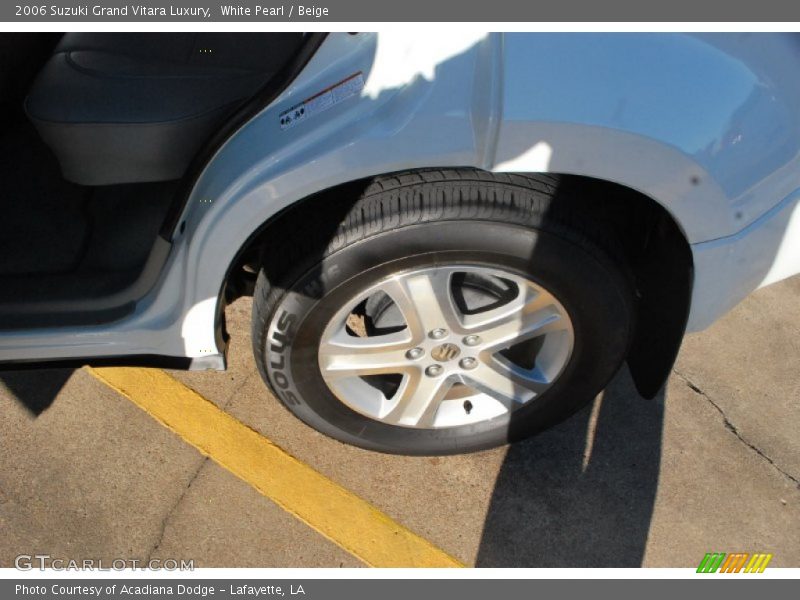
(338, 514)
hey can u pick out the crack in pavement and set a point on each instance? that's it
(236, 390)
(733, 429)
(171, 511)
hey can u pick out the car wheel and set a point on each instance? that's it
(446, 312)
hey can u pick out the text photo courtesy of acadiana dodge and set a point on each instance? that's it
(139, 10)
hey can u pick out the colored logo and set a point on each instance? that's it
(738, 562)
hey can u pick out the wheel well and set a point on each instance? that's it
(660, 259)
(241, 277)
(652, 243)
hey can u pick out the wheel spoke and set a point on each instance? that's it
(521, 326)
(425, 301)
(416, 401)
(526, 300)
(348, 356)
(506, 383)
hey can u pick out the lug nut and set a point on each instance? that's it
(468, 363)
(415, 353)
(472, 340)
(438, 333)
(434, 371)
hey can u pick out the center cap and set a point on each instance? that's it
(445, 352)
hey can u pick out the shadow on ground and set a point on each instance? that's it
(35, 389)
(566, 498)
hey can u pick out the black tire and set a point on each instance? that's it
(415, 219)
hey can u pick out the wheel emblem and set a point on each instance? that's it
(445, 352)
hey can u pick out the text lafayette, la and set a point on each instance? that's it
(265, 590)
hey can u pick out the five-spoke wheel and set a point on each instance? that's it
(447, 356)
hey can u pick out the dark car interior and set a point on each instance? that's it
(97, 132)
